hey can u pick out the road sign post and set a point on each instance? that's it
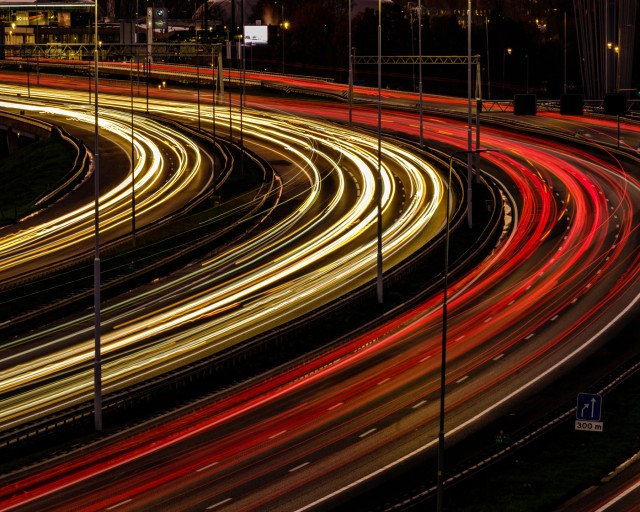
(589, 412)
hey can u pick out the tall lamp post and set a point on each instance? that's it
(420, 71)
(198, 85)
(469, 122)
(133, 165)
(350, 68)
(285, 26)
(564, 58)
(486, 23)
(97, 362)
(616, 73)
(214, 92)
(28, 78)
(505, 52)
(379, 174)
(445, 303)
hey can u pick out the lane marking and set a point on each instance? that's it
(219, 504)
(419, 404)
(299, 467)
(278, 434)
(462, 379)
(365, 434)
(617, 498)
(208, 466)
(499, 356)
(120, 504)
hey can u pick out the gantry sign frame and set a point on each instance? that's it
(425, 59)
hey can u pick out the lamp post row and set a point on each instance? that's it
(97, 299)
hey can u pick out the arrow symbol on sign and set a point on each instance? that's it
(585, 406)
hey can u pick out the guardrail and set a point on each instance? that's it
(553, 105)
(82, 160)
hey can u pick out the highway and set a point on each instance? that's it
(322, 248)
(306, 438)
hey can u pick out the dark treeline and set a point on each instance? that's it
(521, 43)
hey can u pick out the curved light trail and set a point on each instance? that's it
(324, 248)
(565, 274)
(162, 184)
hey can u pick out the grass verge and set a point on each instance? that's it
(30, 172)
(564, 462)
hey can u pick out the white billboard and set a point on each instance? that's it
(256, 34)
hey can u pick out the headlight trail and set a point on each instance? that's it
(319, 251)
(156, 188)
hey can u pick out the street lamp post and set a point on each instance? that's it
(505, 52)
(443, 361)
(564, 58)
(443, 358)
(198, 84)
(133, 164)
(243, 92)
(285, 26)
(148, 69)
(616, 72)
(97, 364)
(486, 22)
(28, 78)
(469, 122)
(379, 174)
(350, 68)
(214, 91)
(420, 71)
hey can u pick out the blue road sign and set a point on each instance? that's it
(589, 407)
